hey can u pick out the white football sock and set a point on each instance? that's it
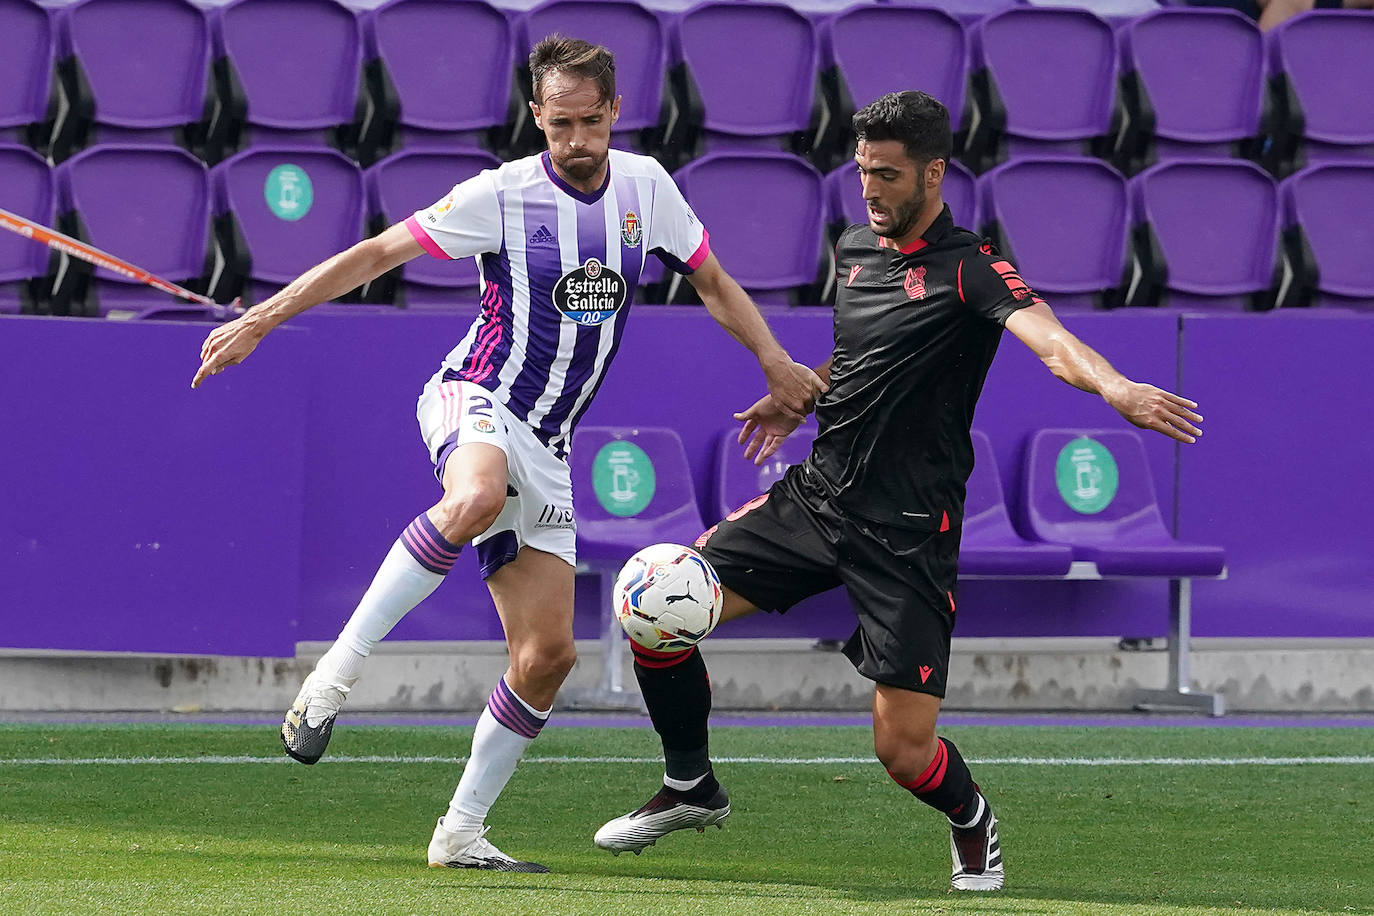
(496, 749)
(400, 584)
(682, 785)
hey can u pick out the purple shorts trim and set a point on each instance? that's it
(496, 551)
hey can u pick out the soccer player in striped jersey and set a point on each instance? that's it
(560, 239)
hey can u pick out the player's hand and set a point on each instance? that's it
(794, 387)
(1154, 408)
(766, 425)
(228, 345)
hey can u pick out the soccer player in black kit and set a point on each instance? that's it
(877, 505)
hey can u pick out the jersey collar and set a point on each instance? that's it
(568, 189)
(943, 224)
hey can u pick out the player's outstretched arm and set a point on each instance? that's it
(1083, 367)
(766, 425)
(792, 385)
(230, 344)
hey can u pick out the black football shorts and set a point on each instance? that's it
(793, 543)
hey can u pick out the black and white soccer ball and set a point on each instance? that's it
(667, 597)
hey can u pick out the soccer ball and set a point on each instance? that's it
(667, 597)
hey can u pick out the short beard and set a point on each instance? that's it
(580, 169)
(905, 216)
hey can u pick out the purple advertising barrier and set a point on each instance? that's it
(1282, 478)
(140, 515)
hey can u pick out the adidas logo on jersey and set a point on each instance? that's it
(542, 236)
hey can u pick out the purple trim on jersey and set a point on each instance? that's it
(507, 709)
(427, 243)
(495, 552)
(691, 264)
(544, 266)
(495, 270)
(581, 196)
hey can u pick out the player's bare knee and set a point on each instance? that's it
(543, 662)
(466, 513)
(904, 756)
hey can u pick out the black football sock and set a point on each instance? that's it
(677, 692)
(946, 785)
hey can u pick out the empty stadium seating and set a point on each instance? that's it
(1328, 214)
(764, 212)
(149, 205)
(281, 210)
(409, 181)
(1044, 103)
(288, 71)
(1021, 83)
(1327, 70)
(133, 71)
(749, 75)
(27, 47)
(431, 98)
(1195, 81)
(28, 185)
(1209, 233)
(1072, 247)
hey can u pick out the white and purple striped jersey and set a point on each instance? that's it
(558, 269)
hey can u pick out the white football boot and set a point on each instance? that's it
(310, 721)
(470, 849)
(661, 815)
(977, 853)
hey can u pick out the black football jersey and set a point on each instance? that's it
(915, 332)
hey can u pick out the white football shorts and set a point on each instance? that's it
(538, 510)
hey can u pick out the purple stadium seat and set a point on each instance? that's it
(136, 71)
(28, 185)
(1115, 11)
(631, 508)
(872, 47)
(1327, 58)
(296, 63)
(1073, 250)
(845, 201)
(764, 212)
(148, 205)
(768, 49)
(1198, 76)
(738, 479)
(636, 37)
(1052, 76)
(411, 180)
(990, 545)
(293, 208)
(1092, 490)
(1329, 210)
(1215, 224)
(444, 99)
(27, 44)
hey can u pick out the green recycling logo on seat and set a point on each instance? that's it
(288, 192)
(623, 478)
(1087, 476)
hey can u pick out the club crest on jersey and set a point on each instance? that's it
(591, 293)
(915, 283)
(631, 230)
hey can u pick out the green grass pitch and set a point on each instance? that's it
(349, 836)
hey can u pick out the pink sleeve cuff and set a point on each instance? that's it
(427, 243)
(702, 251)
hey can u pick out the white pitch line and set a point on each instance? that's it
(774, 761)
